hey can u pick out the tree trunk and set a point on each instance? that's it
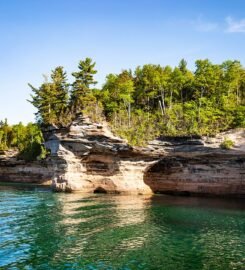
(200, 104)
(115, 119)
(237, 95)
(171, 97)
(181, 96)
(129, 114)
(163, 102)
(160, 104)
(148, 109)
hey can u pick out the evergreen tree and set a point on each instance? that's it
(44, 99)
(51, 98)
(84, 78)
(145, 103)
(59, 80)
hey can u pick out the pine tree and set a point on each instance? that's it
(84, 78)
(61, 86)
(51, 98)
(44, 99)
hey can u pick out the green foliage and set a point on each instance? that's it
(227, 144)
(81, 86)
(31, 151)
(26, 139)
(94, 107)
(151, 100)
(144, 127)
(5, 135)
(51, 98)
(238, 117)
(57, 102)
(180, 102)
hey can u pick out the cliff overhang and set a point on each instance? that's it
(88, 157)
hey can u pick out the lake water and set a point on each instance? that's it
(44, 230)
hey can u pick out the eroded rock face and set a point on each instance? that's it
(195, 165)
(14, 170)
(88, 157)
(210, 174)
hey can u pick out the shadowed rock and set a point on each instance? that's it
(90, 157)
(87, 157)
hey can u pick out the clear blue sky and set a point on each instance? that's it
(38, 35)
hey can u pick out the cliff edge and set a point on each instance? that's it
(88, 157)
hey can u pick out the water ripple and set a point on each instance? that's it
(42, 230)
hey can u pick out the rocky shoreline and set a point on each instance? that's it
(87, 157)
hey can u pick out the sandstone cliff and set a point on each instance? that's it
(88, 157)
(20, 171)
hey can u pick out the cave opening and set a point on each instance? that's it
(100, 190)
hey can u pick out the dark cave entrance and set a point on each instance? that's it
(100, 190)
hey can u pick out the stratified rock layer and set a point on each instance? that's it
(199, 166)
(20, 171)
(88, 157)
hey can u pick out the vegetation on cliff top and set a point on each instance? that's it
(139, 104)
(150, 100)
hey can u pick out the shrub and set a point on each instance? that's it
(227, 144)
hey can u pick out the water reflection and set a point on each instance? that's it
(42, 230)
(208, 233)
(100, 222)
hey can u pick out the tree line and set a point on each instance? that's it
(139, 105)
(149, 101)
(58, 101)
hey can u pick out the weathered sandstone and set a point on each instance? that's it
(14, 170)
(88, 157)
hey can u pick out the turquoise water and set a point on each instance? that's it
(44, 230)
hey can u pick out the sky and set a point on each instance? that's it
(38, 35)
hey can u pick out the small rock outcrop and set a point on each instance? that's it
(88, 157)
(14, 170)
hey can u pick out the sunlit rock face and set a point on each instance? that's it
(14, 170)
(88, 157)
(195, 165)
(216, 174)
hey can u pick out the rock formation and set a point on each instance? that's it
(88, 157)
(20, 171)
(199, 166)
